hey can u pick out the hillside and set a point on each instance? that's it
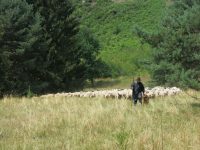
(113, 23)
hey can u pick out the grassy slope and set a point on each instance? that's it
(75, 123)
(113, 23)
(122, 82)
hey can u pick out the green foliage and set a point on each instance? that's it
(112, 23)
(177, 46)
(94, 67)
(29, 93)
(21, 48)
(73, 52)
(122, 139)
(59, 30)
(40, 48)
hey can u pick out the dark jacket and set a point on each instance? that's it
(137, 87)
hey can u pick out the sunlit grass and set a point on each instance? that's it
(122, 82)
(77, 123)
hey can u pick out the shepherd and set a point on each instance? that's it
(137, 90)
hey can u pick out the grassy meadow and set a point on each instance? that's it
(72, 123)
(169, 123)
(122, 82)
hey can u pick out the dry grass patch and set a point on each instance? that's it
(81, 123)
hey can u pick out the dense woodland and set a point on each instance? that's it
(43, 48)
(57, 45)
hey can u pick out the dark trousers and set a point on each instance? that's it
(136, 98)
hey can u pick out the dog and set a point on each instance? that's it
(145, 99)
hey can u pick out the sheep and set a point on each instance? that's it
(120, 93)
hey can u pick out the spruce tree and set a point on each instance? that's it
(72, 52)
(22, 48)
(41, 48)
(176, 58)
(60, 29)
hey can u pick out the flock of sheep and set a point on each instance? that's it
(121, 93)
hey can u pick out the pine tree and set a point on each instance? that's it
(176, 57)
(60, 29)
(72, 52)
(41, 48)
(23, 50)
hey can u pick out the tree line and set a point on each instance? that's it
(43, 48)
(176, 56)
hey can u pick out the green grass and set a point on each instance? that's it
(113, 23)
(169, 123)
(122, 82)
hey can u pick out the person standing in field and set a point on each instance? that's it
(137, 90)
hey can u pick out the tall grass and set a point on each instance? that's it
(78, 123)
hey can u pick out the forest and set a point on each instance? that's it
(60, 44)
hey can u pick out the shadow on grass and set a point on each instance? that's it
(122, 82)
(104, 83)
(196, 108)
(195, 105)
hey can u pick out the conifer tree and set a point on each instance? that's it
(72, 52)
(60, 29)
(41, 48)
(176, 57)
(22, 50)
